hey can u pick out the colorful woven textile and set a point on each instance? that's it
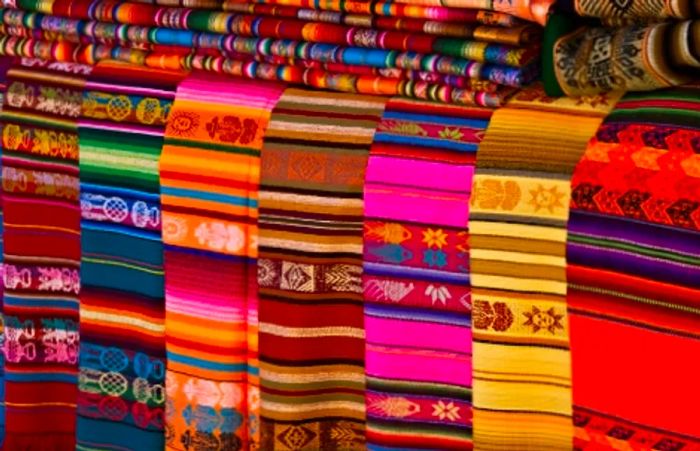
(522, 380)
(41, 231)
(309, 271)
(623, 12)
(416, 276)
(365, 84)
(634, 276)
(281, 28)
(122, 366)
(47, 27)
(5, 64)
(588, 61)
(515, 35)
(209, 172)
(534, 10)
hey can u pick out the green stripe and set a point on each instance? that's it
(641, 250)
(40, 121)
(422, 388)
(212, 146)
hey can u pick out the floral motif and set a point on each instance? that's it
(492, 194)
(540, 319)
(549, 199)
(436, 238)
(387, 290)
(451, 133)
(441, 294)
(449, 411)
(435, 258)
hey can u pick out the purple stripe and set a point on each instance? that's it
(627, 262)
(642, 233)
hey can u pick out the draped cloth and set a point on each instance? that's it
(5, 64)
(520, 198)
(122, 355)
(634, 275)
(416, 275)
(310, 271)
(209, 172)
(41, 231)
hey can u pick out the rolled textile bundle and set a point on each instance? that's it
(87, 32)
(389, 8)
(588, 61)
(531, 10)
(364, 84)
(249, 25)
(514, 35)
(626, 12)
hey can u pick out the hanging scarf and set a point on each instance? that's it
(122, 354)
(416, 275)
(310, 267)
(209, 172)
(634, 275)
(41, 253)
(522, 374)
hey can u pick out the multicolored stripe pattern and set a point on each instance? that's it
(634, 276)
(310, 271)
(522, 366)
(209, 172)
(41, 231)
(416, 276)
(5, 64)
(122, 355)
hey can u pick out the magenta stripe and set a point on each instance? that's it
(444, 369)
(413, 207)
(432, 175)
(387, 331)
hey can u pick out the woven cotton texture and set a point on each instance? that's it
(41, 231)
(122, 356)
(310, 267)
(416, 276)
(209, 172)
(634, 275)
(521, 192)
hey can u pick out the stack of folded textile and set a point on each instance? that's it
(593, 46)
(468, 52)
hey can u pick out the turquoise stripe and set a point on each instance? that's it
(206, 364)
(215, 197)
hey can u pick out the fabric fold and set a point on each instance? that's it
(41, 234)
(122, 394)
(310, 270)
(209, 174)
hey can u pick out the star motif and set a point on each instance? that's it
(543, 198)
(539, 319)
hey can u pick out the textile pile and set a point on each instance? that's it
(305, 225)
(474, 52)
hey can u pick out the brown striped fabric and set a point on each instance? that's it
(310, 267)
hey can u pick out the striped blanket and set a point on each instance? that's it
(416, 276)
(41, 231)
(522, 380)
(634, 276)
(5, 64)
(122, 367)
(209, 172)
(309, 271)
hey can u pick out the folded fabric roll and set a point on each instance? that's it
(364, 84)
(589, 61)
(532, 10)
(47, 27)
(391, 9)
(249, 25)
(514, 35)
(623, 12)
